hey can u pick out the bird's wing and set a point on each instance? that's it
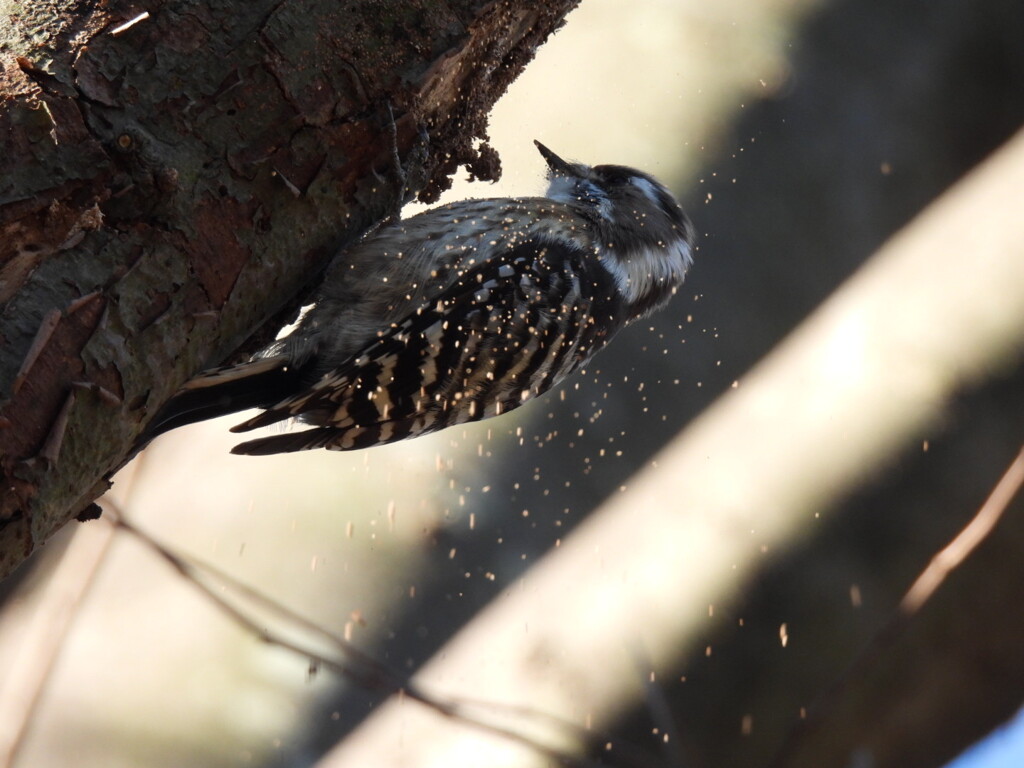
(504, 332)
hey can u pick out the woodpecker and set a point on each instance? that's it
(457, 314)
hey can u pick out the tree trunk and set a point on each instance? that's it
(173, 181)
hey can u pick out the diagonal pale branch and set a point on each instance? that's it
(937, 310)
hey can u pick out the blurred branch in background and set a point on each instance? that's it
(878, 362)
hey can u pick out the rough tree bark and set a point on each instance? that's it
(171, 180)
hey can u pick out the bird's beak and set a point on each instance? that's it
(557, 165)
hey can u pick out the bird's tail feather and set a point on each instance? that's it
(306, 440)
(218, 392)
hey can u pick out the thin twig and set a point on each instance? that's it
(357, 666)
(29, 672)
(942, 564)
(58, 608)
(965, 542)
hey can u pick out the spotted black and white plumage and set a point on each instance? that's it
(458, 314)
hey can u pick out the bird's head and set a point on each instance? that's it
(644, 238)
